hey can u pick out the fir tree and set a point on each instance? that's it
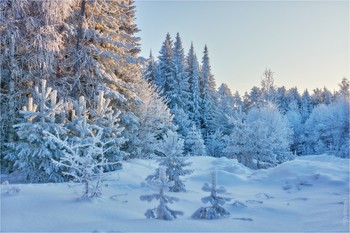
(194, 80)
(33, 152)
(215, 210)
(194, 143)
(155, 120)
(165, 80)
(172, 149)
(85, 148)
(150, 72)
(162, 212)
(225, 108)
(209, 97)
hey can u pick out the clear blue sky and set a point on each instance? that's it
(306, 43)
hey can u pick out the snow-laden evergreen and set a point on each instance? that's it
(261, 140)
(215, 210)
(172, 159)
(107, 119)
(209, 97)
(162, 211)
(225, 108)
(164, 79)
(150, 72)
(327, 129)
(155, 120)
(87, 148)
(194, 143)
(33, 152)
(194, 81)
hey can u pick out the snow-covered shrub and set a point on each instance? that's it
(33, 152)
(162, 212)
(215, 210)
(172, 149)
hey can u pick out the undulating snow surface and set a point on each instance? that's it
(307, 194)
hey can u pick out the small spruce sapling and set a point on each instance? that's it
(215, 210)
(162, 211)
(172, 148)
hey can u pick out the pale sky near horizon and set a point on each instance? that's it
(305, 43)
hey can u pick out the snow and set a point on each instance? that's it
(310, 193)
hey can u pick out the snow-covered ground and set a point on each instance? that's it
(310, 193)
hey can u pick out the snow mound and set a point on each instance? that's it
(306, 194)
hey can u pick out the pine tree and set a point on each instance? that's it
(209, 97)
(172, 149)
(194, 80)
(33, 152)
(215, 210)
(162, 212)
(194, 143)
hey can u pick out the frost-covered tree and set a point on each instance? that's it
(237, 101)
(295, 121)
(172, 151)
(107, 120)
(155, 120)
(194, 81)
(215, 143)
(194, 143)
(261, 140)
(33, 152)
(86, 147)
(30, 46)
(344, 89)
(327, 129)
(165, 80)
(162, 211)
(150, 72)
(181, 95)
(267, 86)
(216, 210)
(225, 108)
(306, 106)
(209, 97)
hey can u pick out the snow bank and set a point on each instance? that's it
(307, 194)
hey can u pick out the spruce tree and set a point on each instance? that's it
(209, 98)
(194, 81)
(33, 152)
(194, 143)
(162, 211)
(172, 151)
(216, 210)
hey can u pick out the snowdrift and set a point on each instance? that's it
(310, 193)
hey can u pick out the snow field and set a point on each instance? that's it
(307, 194)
